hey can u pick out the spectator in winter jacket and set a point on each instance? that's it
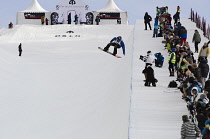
(186, 45)
(195, 95)
(147, 19)
(183, 34)
(194, 83)
(179, 26)
(207, 89)
(176, 18)
(46, 21)
(204, 52)
(117, 42)
(205, 132)
(172, 61)
(10, 25)
(207, 86)
(203, 65)
(159, 59)
(148, 59)
(189, 130)
(197, 72)
(190, 57)
(42, 20)
(97, 19)
(157, 11)
(150, 76)
(76, 19)
(201, 118)
(196, 39)
(156, 26)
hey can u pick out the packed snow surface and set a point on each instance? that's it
(64, 87)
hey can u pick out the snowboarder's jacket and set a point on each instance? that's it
(172, 58)
(120, 42)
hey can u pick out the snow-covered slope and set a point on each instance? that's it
(64, 87)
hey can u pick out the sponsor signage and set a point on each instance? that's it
(33, 15)
(109, 15)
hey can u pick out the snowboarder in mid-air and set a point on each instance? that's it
(117, 42)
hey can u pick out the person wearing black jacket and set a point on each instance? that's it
(203, 65)
(147, 19)
(20, 49)
(97, 19)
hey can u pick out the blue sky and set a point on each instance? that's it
(135, 8)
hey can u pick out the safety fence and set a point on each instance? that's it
(200, 23)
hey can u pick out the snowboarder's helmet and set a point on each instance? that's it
(119, 38)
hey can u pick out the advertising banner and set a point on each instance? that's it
(109, 15)
(71, 12)
(33, 15)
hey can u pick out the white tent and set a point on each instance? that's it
(32, 15)
(111, 13)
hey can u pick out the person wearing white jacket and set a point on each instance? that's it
(195, 95)
(149, 59)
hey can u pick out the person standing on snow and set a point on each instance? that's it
(196, 39)
(189, 130)
(76, 19)
(204, 52)
(97, 19)
(147, 19)
(178, 12)
(149, 60)
(172, 61)
(156, 26)
(42, 20)
(183, 35)
(20, 49)
(46, 21)
(150, 76)
(206, 132)
(117, 42)
(203, 65)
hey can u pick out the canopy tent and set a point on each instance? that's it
(110, 14)
(65, 11)
(32, 15)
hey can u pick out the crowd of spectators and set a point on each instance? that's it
(192, 73)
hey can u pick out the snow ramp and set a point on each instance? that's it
(64, 87)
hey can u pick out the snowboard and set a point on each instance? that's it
(109, 52)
